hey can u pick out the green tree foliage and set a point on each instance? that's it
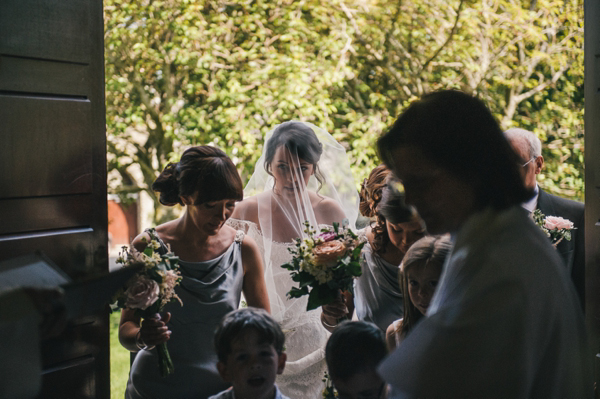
(183, 72)
(525, 59)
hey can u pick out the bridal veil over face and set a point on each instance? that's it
(302, 175)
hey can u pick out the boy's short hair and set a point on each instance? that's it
(354, 347)
(238, 321)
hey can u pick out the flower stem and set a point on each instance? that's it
(165, 364)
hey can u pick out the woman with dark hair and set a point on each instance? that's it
(505, 320)
(419, 274)
(216, 262)
(303, 176)
(377, 294)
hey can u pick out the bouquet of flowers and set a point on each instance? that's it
(329, 391)
(324, 263)
(555, 227)
(151, 289)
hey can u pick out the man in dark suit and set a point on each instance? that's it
(529, 148)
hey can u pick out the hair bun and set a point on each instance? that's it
(371, 191)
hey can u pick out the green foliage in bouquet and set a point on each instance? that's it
(323, 264)
(151, 289)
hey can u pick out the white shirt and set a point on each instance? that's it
(504, 322)
(531, 203)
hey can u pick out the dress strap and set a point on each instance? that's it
(164, 249)
(239, 236)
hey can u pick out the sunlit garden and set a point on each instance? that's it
(182, 72)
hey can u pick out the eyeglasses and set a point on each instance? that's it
(528, 162)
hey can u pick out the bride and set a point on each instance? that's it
(302, 175)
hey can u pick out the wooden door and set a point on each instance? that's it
(592, 179)
(53, 167)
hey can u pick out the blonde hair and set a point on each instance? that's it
(429, 250)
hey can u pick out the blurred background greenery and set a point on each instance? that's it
(185, 72)
(119, 360)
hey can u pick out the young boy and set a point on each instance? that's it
(250, 350)
(353, 352)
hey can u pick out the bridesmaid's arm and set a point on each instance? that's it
(254, 288)
(135, 333)
(139, 243)
(390, 336)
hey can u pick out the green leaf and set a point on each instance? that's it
(354, 269)
(320, 295)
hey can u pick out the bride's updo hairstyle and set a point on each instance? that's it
(389, 208)
(203, 171)
(299, 139)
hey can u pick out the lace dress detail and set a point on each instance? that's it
(305, 337)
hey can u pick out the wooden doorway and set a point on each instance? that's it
(592, 177)
(53, 167)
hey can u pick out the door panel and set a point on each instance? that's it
(45, 213)
(37, 128)
(43, 77)
(51, 30)
(53, 163)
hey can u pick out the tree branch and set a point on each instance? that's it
(450, 35)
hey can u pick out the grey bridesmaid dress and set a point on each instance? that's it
(377, 293)
(209, 290)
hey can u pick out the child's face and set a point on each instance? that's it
(421, 285)
(252, 366)
(365, 385)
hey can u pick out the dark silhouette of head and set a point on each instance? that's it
(458, 133)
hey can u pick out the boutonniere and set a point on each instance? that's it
(555, 227)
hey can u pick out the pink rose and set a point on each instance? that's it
(142, 293)
(328, 252)
(328, 236)
(557, 223)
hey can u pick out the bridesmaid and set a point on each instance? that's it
(217, 263)
(377, 294)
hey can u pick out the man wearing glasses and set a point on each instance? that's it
(529, 148)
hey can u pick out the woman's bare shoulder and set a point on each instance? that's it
(247, 209)
(329, 209)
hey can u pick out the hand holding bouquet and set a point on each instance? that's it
(555, 227)
(151, 289)
(324, 263)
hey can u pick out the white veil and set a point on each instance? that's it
(329, 195)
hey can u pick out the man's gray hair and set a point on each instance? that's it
(534, 144)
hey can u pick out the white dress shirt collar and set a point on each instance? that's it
(531, 203)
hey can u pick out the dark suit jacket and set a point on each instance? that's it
(572, 252)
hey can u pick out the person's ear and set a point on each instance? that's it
(282, 358)
(539, 164)
(223, 372)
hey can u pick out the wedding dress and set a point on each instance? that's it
(305, 337)
(278, 221)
